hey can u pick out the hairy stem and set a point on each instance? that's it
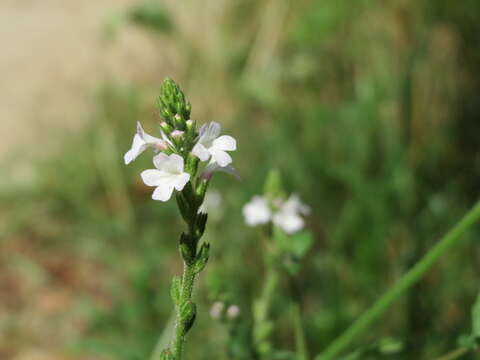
(409, 279)
(188, 280)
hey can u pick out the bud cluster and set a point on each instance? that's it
(175, 110)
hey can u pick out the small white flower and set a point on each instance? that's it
(217, 309)
(233, 311)
(167, 176)
(257, 211)
(141, 141)
(210, 144)
(288, 215)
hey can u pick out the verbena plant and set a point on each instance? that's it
(178, 172)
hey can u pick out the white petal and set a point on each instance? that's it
(153, 177)
(221, 157)
(293, 204)
(225, 143)
(288, 222)
(174, 165)
(257, 211)
(163, 193)
(138, 146)
(180, 181)
(160, 160)
(201, 152)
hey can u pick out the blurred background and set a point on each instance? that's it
(370, 110)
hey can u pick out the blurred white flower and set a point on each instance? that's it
(167, 176)
(233, 311)
(217, 309)
(286, 215)
(210, 144)
(141, 141)
(257, 211)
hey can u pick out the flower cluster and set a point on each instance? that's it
(180, 148)
(287, 215)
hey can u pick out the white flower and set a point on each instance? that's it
(141, 141)
(217, 309)
(233, 311)
(257, 211)
(210, 144)
(169, 175)
(286, 216)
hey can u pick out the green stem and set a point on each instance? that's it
(262, 310)
(188, 280)
(300, 340)
(409, 279)
(455, 354)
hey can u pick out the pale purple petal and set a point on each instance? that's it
(149, 139)
(209, 132)
(225, 143)
(138, 146)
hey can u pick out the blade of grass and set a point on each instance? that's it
(409, 279)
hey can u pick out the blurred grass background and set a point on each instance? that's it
(369, 108)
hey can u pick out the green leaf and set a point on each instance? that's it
(188, 313)
(300, 243)
(296, 245)
(202, 258)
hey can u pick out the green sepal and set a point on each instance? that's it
(201, 189)
(188, 248)
(191, 164)
(188, 313)
(202, 257)
(183, 206)
(175, 290)
(200, 224)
